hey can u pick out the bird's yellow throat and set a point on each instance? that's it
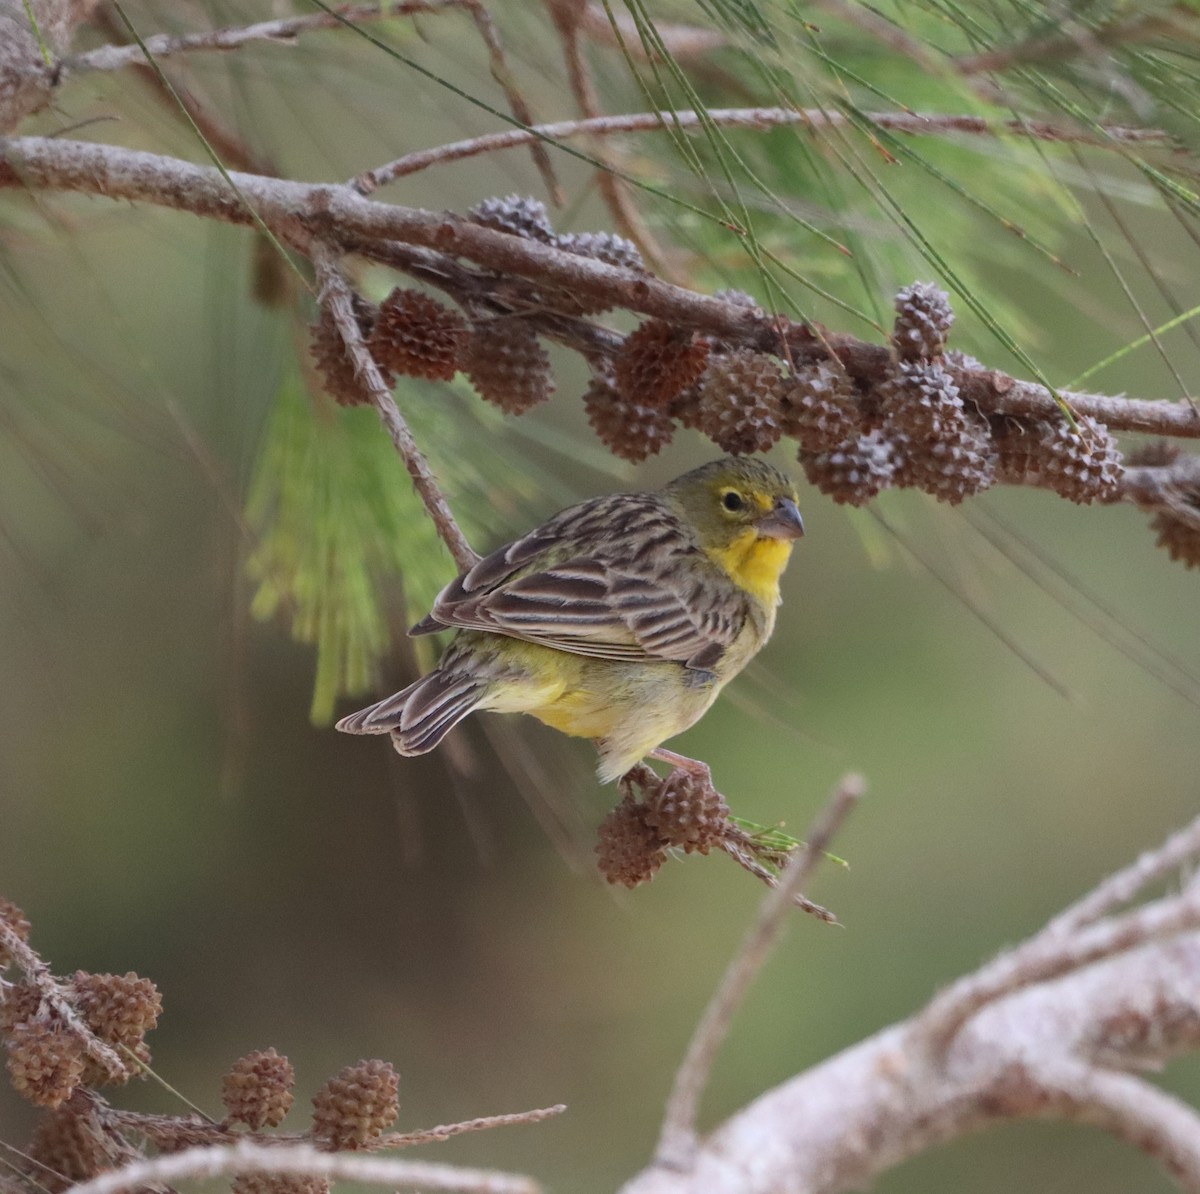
(755, 563)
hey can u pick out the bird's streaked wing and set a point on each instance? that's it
(618, 578)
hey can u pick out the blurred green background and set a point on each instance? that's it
(166, 805)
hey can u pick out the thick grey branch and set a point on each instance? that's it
(297, 211)
(843, 1122)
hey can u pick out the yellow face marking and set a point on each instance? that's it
(755, 563)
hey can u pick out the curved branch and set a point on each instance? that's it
(245, 1157)
(814, 119)
(296, 211)
(844, 1122)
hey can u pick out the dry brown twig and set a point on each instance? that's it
(910, 123)
(677, 1137)
(335, 295)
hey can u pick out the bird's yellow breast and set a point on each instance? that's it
(755, 564)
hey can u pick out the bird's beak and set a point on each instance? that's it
(782, 522)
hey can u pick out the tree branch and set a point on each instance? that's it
(297, 211)
(815, 119)
(210, 1161)
(840, 1124)
(335, 295)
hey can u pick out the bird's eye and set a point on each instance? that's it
(733, 501)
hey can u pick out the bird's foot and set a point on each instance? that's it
(693, 767)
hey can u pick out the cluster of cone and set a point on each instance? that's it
(678, 812)
(909, 429)
(412, 334)
(51, 1030)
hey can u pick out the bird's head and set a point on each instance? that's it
(738, 500)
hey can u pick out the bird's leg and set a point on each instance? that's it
(693, 767)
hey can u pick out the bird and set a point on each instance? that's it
(619, 620)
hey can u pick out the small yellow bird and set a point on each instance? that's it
(619, 620)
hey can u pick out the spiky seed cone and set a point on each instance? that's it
(508, 365)
(45, 1061)
(602, 246)
(854, 472)
(628, 850)
(120, 1009)
(356, 1105)
(257, 1091)
(741, 402)
(686, 813)
(21, 1002)
(952, 468)
(1083, 466)
(819, 408)
(1180, 539)
(657, 361)
(332, 361)
(416, 336)
(923, 321)
(518, 215)
(69, 1145)
(631, 429)
(278, 1183)
(14, 919)
(939, 446)
(920, 400)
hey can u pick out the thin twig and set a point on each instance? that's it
(281, 31)
(249, 1157)
(335, 295)
(1077, 40)
(229, 147)
(682, 41)
(815, 119)
(481, 1124)
(677, 1139)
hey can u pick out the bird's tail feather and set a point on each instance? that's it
(422, 714)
